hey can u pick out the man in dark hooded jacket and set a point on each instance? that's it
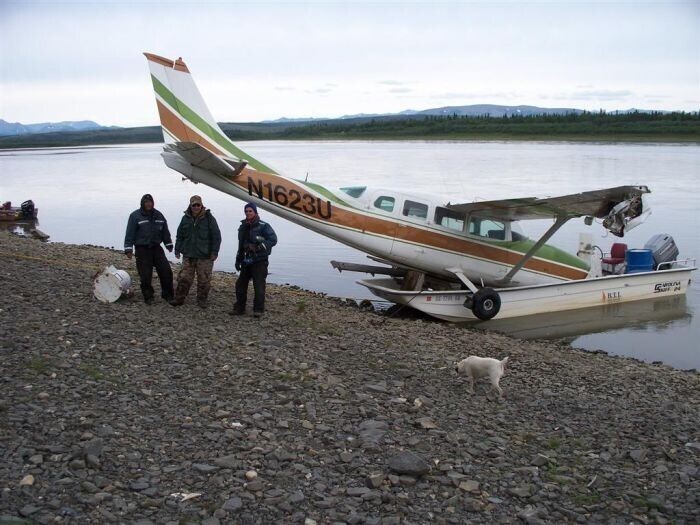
(145, 231)
(198, 239)
(255, 241)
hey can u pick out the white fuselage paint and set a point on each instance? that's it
(418, 256)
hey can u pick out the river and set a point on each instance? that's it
(85, 195)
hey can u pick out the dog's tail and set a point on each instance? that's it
(504, 361)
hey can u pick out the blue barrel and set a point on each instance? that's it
(639, 261)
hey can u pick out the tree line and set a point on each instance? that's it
(586, 125)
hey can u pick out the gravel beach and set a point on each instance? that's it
(317, 413)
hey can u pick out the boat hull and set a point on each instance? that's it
(16, 214)
(539, 299)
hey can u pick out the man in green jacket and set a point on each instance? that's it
(198, 240)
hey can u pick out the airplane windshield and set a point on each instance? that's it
(354, 191)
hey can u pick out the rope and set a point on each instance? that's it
(386, 318)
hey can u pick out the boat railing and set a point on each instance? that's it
(684, 263)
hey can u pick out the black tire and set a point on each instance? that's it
(487, 304)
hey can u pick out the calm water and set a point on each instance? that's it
(86, 194)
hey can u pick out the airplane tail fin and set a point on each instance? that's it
(185, 117)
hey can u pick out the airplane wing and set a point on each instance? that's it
(597, 203)
(200, 157)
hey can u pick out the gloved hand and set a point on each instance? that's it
(177, 255)
(128, 254)
(238, 266)
(214, 257)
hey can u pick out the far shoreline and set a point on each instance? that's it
(592, 139)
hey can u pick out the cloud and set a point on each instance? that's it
(400, 90)
(590, 94)
(285, 88)
(476, 95)
(320, 91)
(452, 96)
(603, 93)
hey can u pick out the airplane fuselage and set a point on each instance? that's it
(412, 239)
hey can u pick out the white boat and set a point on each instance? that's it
(449, 305)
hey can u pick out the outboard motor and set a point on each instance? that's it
(27, 209)
(663, 249)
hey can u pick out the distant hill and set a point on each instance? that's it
(474, 110)
(92, 137)
(446, 124)
(17, 128)
(493, 110)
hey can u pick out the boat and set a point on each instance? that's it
(25, 212)
(454, 305)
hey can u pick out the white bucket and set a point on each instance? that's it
(111, 284)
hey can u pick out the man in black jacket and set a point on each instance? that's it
(145, 231)
(255, 241)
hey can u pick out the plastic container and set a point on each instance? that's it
(639, 260)
(111, 284)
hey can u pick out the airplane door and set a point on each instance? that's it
(382, 206)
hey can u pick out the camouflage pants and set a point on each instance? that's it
(190, 266)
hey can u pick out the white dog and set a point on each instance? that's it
(476, 367)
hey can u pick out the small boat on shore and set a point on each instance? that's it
(25, 212)
(668, 279)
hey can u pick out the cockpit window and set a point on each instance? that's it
(354, 191)
(487, 228)
(415, 209)
(451, 219)
(385, 203)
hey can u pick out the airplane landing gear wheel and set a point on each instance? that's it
(469, 302)
(486, 304)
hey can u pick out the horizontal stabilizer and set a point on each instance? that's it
(367, 268)
(200, 157)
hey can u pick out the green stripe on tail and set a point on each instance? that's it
(204, 127)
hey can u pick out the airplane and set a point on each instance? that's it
(425, 241)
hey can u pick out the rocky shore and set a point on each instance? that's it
(317, 413)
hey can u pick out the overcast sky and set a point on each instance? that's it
(265, 60)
